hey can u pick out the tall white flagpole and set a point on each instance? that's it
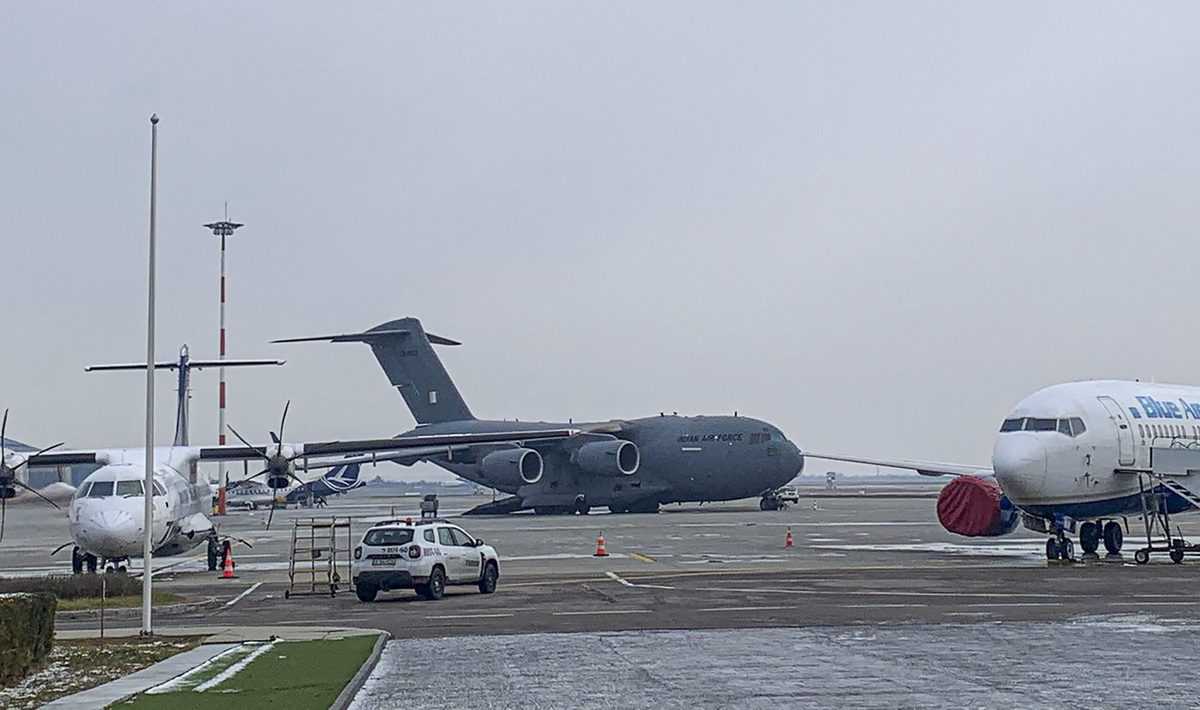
(148, 519)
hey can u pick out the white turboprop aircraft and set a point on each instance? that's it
(1080, 457)
(107, 512)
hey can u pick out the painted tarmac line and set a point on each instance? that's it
(243, 595)
(883, 606)
(233, 670)
(748, 608)
(601, 612)
(643, 558)
(450, 617)
(1174, 603)
(625, 582)
(1004, 604)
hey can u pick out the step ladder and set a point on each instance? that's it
(313, 565)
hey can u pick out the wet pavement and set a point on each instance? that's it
(1089, 661)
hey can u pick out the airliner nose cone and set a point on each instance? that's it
(1019, 462)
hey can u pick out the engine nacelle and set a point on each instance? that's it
(976, 507)
(513, 466)
(609, 458)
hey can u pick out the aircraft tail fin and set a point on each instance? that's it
(405, 352)
(184, 366)
(343, 478)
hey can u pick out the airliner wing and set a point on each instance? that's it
(925, 468)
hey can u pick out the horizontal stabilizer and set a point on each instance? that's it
(366, 337)
(194, 364)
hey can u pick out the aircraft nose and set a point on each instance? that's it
(1019, 462)
(793, 459)
(114, 532)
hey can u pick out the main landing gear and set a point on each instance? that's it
(81, 560)
(1091, 535)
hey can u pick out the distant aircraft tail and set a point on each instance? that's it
(343, 478)
(405, 352)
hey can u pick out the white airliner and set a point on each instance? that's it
(1077, 457)
(106, 513)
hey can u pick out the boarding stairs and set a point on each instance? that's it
(313, 564)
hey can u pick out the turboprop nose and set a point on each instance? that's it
(1019, 461)
(113, 532)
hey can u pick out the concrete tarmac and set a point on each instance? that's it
(856, 560)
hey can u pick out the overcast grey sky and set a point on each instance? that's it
(877, 225)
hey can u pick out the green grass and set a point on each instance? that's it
(295, 675)
(123, 602)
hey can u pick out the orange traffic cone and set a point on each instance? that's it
(787, 541)
(601, 548)
(228, 571)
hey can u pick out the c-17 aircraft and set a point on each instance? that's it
(629, 466)
(106, 514)
(1079, 457)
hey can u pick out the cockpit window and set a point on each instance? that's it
(1036, 424)
(158, 489)
(1012, 424)
(1077, 426)
(130, 489)
(101, 489)
(1064, 426)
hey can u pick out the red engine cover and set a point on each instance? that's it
(970, 506)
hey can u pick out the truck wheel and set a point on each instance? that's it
(435, 588)
(491, 575)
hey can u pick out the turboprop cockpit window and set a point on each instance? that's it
(1012, 424)
(129, 489)
(101, 489)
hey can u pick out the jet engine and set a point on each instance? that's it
(513, 466)
(609, 458)
(976, 507)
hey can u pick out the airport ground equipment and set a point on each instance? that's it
(429, 506)
(313, 561)
(1169, 485)
(425, 555)
(772, 500)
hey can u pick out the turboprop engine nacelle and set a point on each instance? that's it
(512, 466)
(973, 506)
(609, 458)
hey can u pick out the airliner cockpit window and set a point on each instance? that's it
(1012, 425)
(1077, 426)
(101, 489)
(1064, 426)
(1035, 424)
(130, 489)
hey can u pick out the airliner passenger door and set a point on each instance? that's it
(1124, 431)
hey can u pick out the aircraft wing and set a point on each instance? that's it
(406, 457)
(427, 444)
(925, 468)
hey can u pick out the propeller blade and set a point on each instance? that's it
(271, 515)
(251, 478)
(274, 437)
(62, 547)
(39, 453)
(242, 439)
(3, 513)
(282, 421)
(3, 435)
(39, 495)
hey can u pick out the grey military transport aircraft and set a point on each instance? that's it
(630, 466)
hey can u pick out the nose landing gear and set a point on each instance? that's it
(1060, 547)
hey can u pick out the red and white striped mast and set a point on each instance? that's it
(223, 229)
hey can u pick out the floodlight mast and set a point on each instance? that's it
(223, 229)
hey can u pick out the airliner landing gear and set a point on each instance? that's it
(1113, 537)
(81, 560)
(581, 505)
(1089, 538)
(1060, 547)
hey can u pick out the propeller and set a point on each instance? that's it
(10, 463)
(279, 469)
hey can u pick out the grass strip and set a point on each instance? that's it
(124, 602)
(297, 675)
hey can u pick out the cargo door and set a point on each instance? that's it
(1124, 432)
